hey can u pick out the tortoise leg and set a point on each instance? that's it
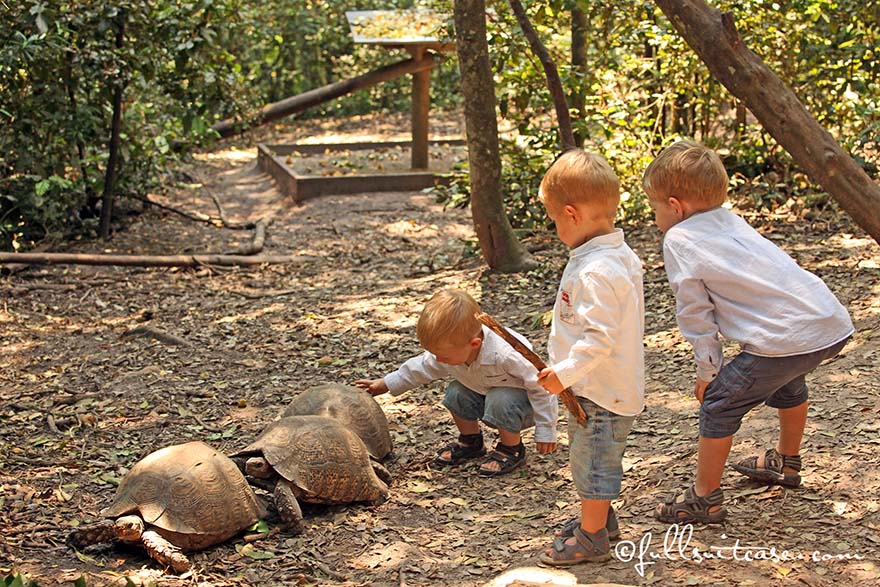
(288, 507)
(381, 472)
(103, 531)
(164, 552)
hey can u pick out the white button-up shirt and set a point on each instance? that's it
(595, 343)
(729, 279)
(497, 365)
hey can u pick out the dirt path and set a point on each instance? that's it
(347, 310)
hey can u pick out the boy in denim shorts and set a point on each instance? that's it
(492, 383)
(729, 280)
(595, 345)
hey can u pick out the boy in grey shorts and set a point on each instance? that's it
(729, 280)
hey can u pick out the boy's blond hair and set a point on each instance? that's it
(581, 177)
(688, 171)
(449, 318)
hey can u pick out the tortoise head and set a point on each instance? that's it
(259, 467)
(129, 528)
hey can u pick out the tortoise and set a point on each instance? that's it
(313, 459)
(354, 408)
(180, 498)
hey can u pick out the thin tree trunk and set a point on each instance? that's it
(554, 84)
(579, 27)
(713, 36)
(115, 137)
(500, 248)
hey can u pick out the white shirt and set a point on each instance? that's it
(728, 279)
(497, 365)
(595, 343)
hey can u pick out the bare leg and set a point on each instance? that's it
(594, 514)
(791, 431)
(711, 459)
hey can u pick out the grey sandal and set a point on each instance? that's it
(611, 525)
(592, 548)
(772, 469)
(688, 507)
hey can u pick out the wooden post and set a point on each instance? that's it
(421, 101)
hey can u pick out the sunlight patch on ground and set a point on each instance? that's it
(232, 155)
(273, 309)
(533, 575)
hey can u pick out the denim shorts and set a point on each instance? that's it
(506, 408)
(749, 380)
(596, 451)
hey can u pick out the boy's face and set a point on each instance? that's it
(458, 354)
(665, 214)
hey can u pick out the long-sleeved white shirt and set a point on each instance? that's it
(729, 279)
(595, 343)
(497, 365)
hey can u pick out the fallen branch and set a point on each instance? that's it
(146, 260)
(194, 216)
(567, 396)
(156, 334)
(256, 244)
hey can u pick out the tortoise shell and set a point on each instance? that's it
(325, 461)
(193, 495)
(354, 408)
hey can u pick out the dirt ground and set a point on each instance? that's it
(82, 401)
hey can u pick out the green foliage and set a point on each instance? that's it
(183, 66)
(644, 88)
(18, 580)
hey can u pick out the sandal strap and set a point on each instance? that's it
(774, 461)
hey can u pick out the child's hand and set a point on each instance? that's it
(374, 386)
(700, 389)
(545, 447)
(549, 381)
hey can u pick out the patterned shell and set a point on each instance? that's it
(354, 408)
(326, 462)
(188, 489)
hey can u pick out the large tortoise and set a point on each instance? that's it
(354, 408)
(180, 498)
(314, 459)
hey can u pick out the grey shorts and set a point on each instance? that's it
(506, 408)
(749, 380)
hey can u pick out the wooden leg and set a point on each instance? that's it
(421, 101)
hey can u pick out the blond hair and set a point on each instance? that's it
(688, 171)
(581, 177)
(450, 318)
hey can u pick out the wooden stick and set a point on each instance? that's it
(567, 395)
(145, 260)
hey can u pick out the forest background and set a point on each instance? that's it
(178, 67)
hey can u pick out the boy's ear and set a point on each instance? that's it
(679, 207)
(476, 342)
(571, 211)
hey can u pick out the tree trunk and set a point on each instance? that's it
(579, 27)
(554, 84)
(115, 137)
(713, 35)
(498, 244)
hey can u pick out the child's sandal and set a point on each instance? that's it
(688, 507)
(507, 457)
(468, 446)
(772, 470)
(611, 524)
(590, 547)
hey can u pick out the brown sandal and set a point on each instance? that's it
(688, 507)
(468, 446)
(593, 548)
(772, 470)
(611, 524)
(507, 457)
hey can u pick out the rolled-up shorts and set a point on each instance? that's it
(749, 380)
(596, 451)
(507, 408)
